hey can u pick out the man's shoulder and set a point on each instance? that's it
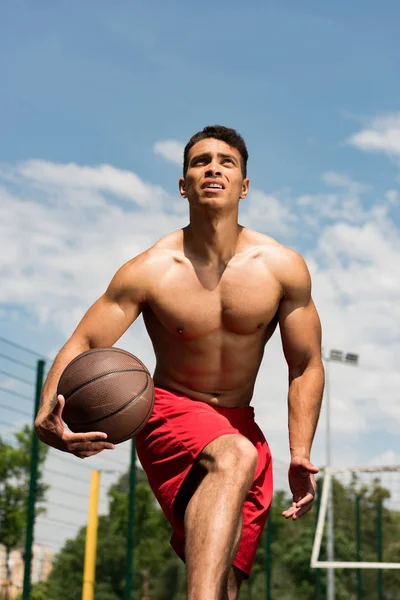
(170, 243)
(151, 264)
(287, 265)
(162, 252)
(138, 274)
(272, 250)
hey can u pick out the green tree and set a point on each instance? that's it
(38, 592)
(160, 575)
(155, 563)
(15, 463)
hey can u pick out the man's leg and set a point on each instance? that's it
(213, 517)
(234, 581)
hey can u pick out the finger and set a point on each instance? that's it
(86, 454)
(59, 407)
(91, 446)
(90, 449)
(307, 498)
(91, 436)
(95, 445)
(302, 511)
(290, 511)
(310, 467)
(304, 464)
(288, 515)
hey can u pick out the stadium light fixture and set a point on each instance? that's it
(348, 358)
(340, 356)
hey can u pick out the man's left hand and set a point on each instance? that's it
(303, 487)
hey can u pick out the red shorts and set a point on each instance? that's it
(178, 430)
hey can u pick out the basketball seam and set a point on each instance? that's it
(108, 349)
(139, 427)
(115, 411)
(83, 385)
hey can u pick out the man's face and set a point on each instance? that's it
(214, 176)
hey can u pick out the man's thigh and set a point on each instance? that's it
(203, 464)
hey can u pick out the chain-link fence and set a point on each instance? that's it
(63, 482)
(62, 500)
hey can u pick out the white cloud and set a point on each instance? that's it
(387, 458)
(345, 204)
(392, 196)
(357, 290)
(100, 179)
(381, 135)
(63, 233)
(171, 150)
(334, 179)
(266, 212)
(60, 247)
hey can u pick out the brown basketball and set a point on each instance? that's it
(109, 390)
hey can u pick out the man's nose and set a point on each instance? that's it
(213, 169)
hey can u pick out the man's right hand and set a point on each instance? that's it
(51, 430)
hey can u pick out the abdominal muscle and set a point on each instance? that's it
(220, 370)
(209, 336)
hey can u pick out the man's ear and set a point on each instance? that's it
(182, 187)
(245, 188)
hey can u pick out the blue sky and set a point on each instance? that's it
(88, 90)
(89, 84)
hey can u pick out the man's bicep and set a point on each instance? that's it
(111, 315)
(106, 321)
(300, 332)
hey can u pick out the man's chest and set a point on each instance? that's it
(242, 302)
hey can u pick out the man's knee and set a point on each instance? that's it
(233, 454)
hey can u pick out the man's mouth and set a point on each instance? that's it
(212, 186)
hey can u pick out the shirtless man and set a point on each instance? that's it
(211, 295)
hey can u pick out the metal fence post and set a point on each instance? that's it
(318, 591)
(131, 524)
(268, 557)
(379, 549)
(32, 486)
(358, 541)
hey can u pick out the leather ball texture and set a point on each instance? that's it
(107, 390)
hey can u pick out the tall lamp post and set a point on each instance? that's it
(347, 358)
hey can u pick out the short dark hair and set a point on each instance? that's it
(218, 132)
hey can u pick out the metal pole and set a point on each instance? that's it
(131, 524)
(318, 594)
(330, 541)
(328, 447)
(91, 539)
(32, 486)
(350, 359)
(379, 550)
(330, 546)
(268, 557)
(358, 547)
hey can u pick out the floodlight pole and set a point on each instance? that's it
(350, 359)
(330, 590)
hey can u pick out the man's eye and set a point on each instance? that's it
(228, 160)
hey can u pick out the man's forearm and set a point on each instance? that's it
(71, 349)
(305, 398)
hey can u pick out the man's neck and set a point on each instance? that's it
(212, 239)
